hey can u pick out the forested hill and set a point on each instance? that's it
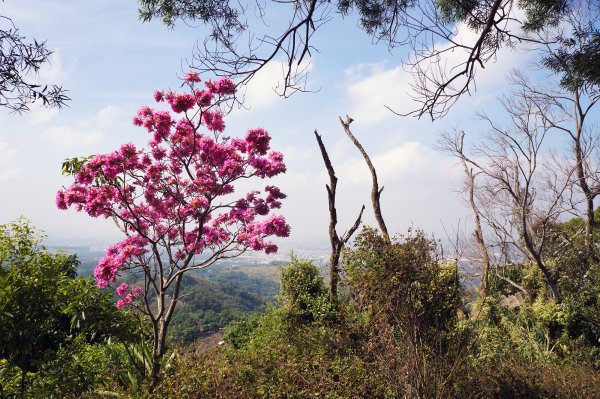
(210, 300)
(209, 304)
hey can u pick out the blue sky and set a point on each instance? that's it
(112, 63)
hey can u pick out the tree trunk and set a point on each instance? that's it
(483, 291)
(158, 350)
(337, 243)
(160, 329)
(548, 276)
(587, 192)
(334, 272)
(23, 385)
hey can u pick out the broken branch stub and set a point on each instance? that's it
(375, 190)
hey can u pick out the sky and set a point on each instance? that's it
(111, 63)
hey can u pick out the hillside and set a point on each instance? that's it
(207, 305)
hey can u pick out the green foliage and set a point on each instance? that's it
(207, 306)
(48, 317)
(452, 10)
(543, 331)
(500, 286)
(239, 333)
(206, 11)
(76, 368)
(375, 16)
(411, 300)
(540, 13)
(304, 294)
(404, 282)
(289, 352)
(526, 353)
(71, 166)
(303, 348)
(260, 286)
(395, 333)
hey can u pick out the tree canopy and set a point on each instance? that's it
(43, 305)
(429, 27)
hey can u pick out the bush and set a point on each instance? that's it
(411, 299)
(395, 334)
(304, 293)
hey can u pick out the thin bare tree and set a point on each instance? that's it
(520, 196)
(454, 144)
(570, 113)
(337, 242)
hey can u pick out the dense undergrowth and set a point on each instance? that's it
(398, 333)
(402, 328)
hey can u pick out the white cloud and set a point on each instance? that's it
(108, 115)
(40, 115)
(8, 162)
(84, 132)
(54, 71)
(370, 92)
(371, 87)
(296, 154)
(405, 161)
(417, 181)
(68, 137)
(264, 86)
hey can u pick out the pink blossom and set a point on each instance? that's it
(177, 196)
(225, 87)
(181, 102)
(61, 202)
(211, 87)
(203, 98)
(213, 121)
(191, 77)
(122, 289)
(276, 225)
(258, 141)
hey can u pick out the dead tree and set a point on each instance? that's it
(521, 198)
(569, 114)
(375, 190)
(337, 242)
(455, 146)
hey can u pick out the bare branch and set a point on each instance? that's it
(375, 190)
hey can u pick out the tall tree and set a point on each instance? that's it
(569, 111)
(174, 201)
(521, 195)
(43, 306)
(454, 144)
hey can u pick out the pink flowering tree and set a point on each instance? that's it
(175, 200)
